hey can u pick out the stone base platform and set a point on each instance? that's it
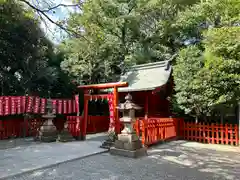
(127, 153)
(131, 146)
(48, 136)
(107, 144)
(48, 132)
(65, 136)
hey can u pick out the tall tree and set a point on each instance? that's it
(213, 27)
(44, 9)
(26, 55)
(116, 34)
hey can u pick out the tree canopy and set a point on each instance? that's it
(116, 34)
(207, 70)
(26, 53)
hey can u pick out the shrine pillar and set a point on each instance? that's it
(83, 128)
(115, 104)
(238, 116)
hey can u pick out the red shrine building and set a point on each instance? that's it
(150, 86)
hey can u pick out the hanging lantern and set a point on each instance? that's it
(7, 104)
(65, 107)
(43, 106)
(13, 105)
(18, 102)
(1, 106)
(76, 104)
(23, 104)
(60, 106)
(29, 104)
(69, 106)
(54, 106)
(36, 105)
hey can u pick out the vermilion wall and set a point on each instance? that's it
(157, 105)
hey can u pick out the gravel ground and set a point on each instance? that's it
(167, 162)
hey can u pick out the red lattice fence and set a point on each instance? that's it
(19, 128)
(154, 130)
(210, 133)
(95, 124)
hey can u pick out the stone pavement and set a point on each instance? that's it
(177, 160)
(26, 158)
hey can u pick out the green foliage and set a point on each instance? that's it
(186, 77)
(207, 75)
(222, 61)
(224, 42)
(117, 34)
(209, 14)
(26, 55)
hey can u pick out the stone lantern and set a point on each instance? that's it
(64, 135)
(128, 143)
(48, 132)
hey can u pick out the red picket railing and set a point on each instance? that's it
(74, 124)
(151, 130)
(95, 124)
(210, 133)
(154, 130)
(19, 128)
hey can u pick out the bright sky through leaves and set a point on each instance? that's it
(53, 32)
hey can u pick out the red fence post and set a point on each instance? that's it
(143, 132)
(237, 135)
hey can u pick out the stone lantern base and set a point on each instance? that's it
(128, 145)
(48, 132)
(64, 135)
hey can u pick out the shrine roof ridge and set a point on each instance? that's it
(152, 65)
(146, 77)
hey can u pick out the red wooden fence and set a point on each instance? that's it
(151, 130)
(154, 130)
(20, 128)
(210, 133)
(95, 124)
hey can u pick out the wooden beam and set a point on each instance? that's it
(97, 96)
(157, 89)
(104, 86)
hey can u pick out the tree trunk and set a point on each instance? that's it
(196, 119)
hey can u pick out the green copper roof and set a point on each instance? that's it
(146, 76)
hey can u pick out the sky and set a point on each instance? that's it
(51, 30)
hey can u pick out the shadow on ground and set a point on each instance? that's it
(223, 164)
(101, 137)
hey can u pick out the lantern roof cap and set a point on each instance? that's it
(128, 104)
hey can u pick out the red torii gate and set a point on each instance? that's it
(88, 96)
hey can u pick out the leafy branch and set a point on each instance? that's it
(44, 12)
